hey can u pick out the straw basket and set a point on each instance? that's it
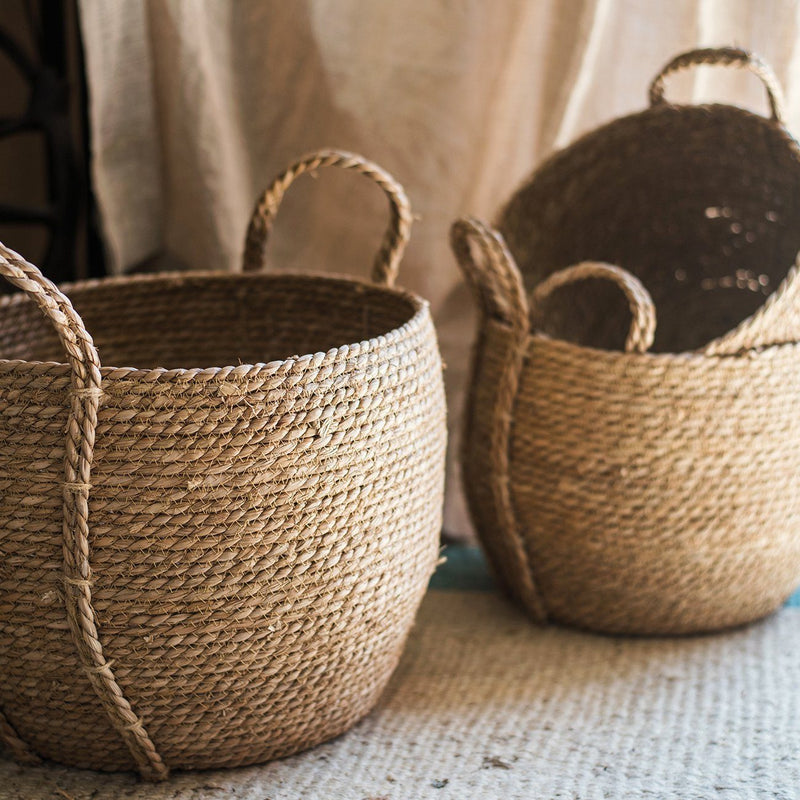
(623, 477)
(208, 565)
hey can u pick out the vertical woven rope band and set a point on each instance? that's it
(498, 287)
(84, 400)
(387, 260)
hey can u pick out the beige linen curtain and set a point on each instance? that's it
(196, 104)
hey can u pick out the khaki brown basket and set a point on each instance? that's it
(625, 477)
(207, 565)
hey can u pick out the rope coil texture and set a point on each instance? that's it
(387, 259)
(497, 286)
(724, 56)
(240, 550)
(648, 472)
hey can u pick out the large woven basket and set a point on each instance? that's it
(625, 478)
(212, 551)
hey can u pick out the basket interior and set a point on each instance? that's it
(702, 203)
(201, 321)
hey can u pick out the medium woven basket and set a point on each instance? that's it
(624, 478)
(207, 565)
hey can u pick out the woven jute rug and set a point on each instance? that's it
(484, 705)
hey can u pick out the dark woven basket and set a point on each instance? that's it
(701, 203)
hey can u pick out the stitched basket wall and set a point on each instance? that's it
(623, 477)
(212, 551)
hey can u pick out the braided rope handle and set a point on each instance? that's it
(726, 56)
(387, 259)
(643, 312)
(497, 284)
(494, 277)
(84, 400)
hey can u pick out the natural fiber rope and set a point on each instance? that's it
(714, 212)
(727, 56)
(643, 312)
(84, 399)
(387, 260)
(497, 286)
(266, 498)
(652, 471)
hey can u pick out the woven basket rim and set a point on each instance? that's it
(560, 158)
(419, 307)
(559, 154)
(698, 356)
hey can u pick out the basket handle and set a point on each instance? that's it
(387, 260)
(726, 56)
(84, 400)
(643, 312)
(498, 287)
(494, 277)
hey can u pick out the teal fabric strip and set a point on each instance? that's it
(465, 568)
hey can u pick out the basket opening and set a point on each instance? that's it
(700, 203)
(201, 321)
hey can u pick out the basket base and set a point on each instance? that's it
(230, 759)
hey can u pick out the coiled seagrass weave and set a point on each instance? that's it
(212, 551)
(623, 476)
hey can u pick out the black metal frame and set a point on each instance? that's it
(70, 204)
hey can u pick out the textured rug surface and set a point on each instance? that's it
(486, 706)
